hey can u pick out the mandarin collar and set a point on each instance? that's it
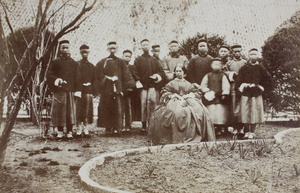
(174, 55)
(112, 56)
(146, 54)
(202, 56)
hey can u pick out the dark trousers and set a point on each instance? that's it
(127, 111)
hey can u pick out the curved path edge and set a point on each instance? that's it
(278, 137)
(84, 171)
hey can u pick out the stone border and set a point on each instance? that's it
(84, 171)
(278, 137)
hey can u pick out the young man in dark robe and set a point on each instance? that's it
(200, 65)
(150, 74)
(173, 59)
(64, 81)
(155, 52)
(232, 68)
(114, 80)
(84, 105)
(223, 54)
(132, 104)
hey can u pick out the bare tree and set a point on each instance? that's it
(37, 53)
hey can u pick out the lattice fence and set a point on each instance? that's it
(128, 21)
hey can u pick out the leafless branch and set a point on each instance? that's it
(44, 15)
(19, 67)
(7, 20)
(24, 37)
(54, 13)
(76, 26)
(67, 27)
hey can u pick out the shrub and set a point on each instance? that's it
(281, 57)
(189, 46)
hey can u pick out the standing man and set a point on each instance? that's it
(173, 60)
(224, 53)
(150, 73)
(132, 106)
(64, 80)
(232, 69)
(84, 105)
(200, 65)
(252, 81)
(114, 79)
(156, 51)
(237, 62)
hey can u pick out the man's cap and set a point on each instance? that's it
(225, 46)
(155, 46)
(173, 41)
(127, 51)
(112, 43)
(236, 46)
(84, 47)
(202, 40)
(145, 40)
(64, 42)
(253, 49)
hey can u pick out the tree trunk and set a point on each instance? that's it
(10, 120)
(3, 68)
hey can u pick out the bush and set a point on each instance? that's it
(189, 46)
(281, 57)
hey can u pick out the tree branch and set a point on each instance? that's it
(54, 13)
(72, 23)
(8, 21)
(43, 18)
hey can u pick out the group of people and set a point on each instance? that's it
(176, 99)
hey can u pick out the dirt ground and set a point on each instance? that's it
(34, 164)
(253, 167)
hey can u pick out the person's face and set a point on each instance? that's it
(127, 57)
(216, 65)
(145, 45)
(84, 53)
(64, 48)
(156, 51)
(174, 47)
(112, 49)
(253, 56)
(179, 72)
(202, 47)
(237, 52)
(223, 52)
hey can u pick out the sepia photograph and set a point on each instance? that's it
(160, 96)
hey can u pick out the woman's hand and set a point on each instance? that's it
(190, 95)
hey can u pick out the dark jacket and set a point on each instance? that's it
(114, 66)
(88, 74)
(198, 68)
(146, 66)
(253, 74)
(66, 69)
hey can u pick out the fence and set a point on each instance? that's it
(249, 23)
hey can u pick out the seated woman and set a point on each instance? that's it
(180, 116)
